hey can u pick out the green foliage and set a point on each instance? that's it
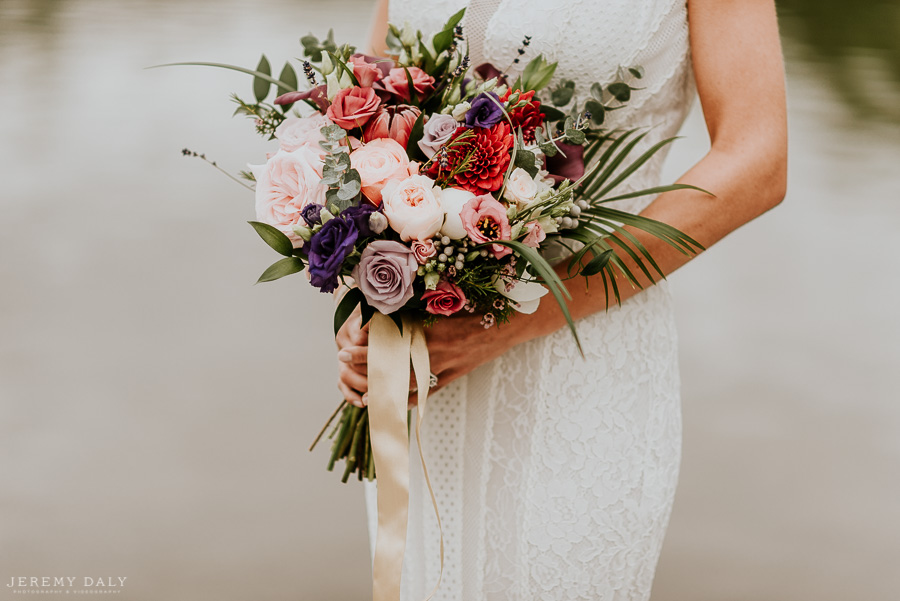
(313, 48)
(345, 308)
(281, 268)
(562, 94)
(344, 183)
(273, 237)
(262, 86)
(537, 74)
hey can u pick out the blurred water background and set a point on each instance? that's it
(155, 407)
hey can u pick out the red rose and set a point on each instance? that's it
(446, 299)
(398, 84)
(392, 122)
(353, 107)
(488, 153)
(528, 117)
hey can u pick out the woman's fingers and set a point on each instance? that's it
(353, 379)
(352, 397)
(357, 357)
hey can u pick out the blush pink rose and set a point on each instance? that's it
(423, 250)
(366, 73)
(392, 122)
(284, 185)
(413, 207)
(484, 220)
(353, 107)
(295, 132)
(446, 299)
(397, 83)
(535, 235)
(378, 162)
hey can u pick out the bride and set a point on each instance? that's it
(555, 474)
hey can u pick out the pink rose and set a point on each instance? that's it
(366, 73)
(377, 162)
(392, 122)
(385, 274)
(485, 219)
(284, 185)
(397, 83)
(535, 235)
(413, 207)
(423, 250)
(295, 132)
(446, 299)
(353, 107)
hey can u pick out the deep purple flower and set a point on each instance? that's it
(327, 250)
(359, 214)
(485, 111)
(311, 214)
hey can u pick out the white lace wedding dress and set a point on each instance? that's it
(554, 474)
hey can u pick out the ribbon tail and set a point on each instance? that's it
(422, 368)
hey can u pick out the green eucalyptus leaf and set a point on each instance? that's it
(562, 94)
(527, 161)
(551, 114)
(598, 112)
(261, 86)
(597, 91)
(621, 91)
(638, 72)
(575, 136)
(348, 190)
(281, 268)
(273, 237)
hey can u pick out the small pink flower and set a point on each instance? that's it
(353, 107)
(392, 122)
(366, 73)
(485, 220)
(423, 250)
(535, 235)
(397, 83)
(446, 299)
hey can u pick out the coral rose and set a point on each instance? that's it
(413, 207)
(485, 220)
(397, 83)
(287, 183)
(353, 107)
(392, 122)
(377, 162)
(446, 299)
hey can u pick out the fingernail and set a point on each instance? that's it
(345, 356)
(365, 399)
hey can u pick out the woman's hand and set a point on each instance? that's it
(352, 343)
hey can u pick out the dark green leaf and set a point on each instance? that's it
(261, 86)
(597, 91)
(273, 237)
(454, 20)
(597, 111)
(551, 114)
(367, 312)
(597, 264)
(638, 72)
(281, 268)
(562, 94)
(345, 308)
(621, 91)
(527, 161)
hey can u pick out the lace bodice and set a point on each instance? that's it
(555, 474)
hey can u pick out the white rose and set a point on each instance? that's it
(520, 187)
(413, 207)
(459, 111)
(453, 200)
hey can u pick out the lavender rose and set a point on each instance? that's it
(327, 250)
(485, 111)
(436, 133)
(385, 274)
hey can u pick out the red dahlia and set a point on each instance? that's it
(489, 150)
(528, 117)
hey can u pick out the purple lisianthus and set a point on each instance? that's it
(360, 214)
(385, 275)
(327, 250)
(311, 214)
(437, 132)
(485, 111)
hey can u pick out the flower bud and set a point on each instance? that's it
(431, 280)
(377, 222)
(303, 231)
(325, 215)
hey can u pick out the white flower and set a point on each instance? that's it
(521, 188)
(338, 79)
(413, 207)
(453, 200)
(525, 295)
(459, 111)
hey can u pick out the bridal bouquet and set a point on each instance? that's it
(429, 188)
(426, 188)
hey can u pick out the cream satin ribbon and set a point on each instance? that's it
(390, 355)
